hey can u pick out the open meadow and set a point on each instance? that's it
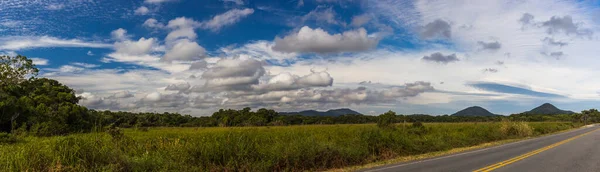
(280, 148)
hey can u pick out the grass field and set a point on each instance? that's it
(286, 148)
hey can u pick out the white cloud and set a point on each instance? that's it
(228, 18)
(39, 61)
(308, 40)
(89, 53)
(234, 74)
(321, 15)
(140, 47)
(22, 42)
(185, 50)
(359, 20)
(262, 50)
(119, 34)
(84, 65)
(236, 2)
(153, 23)
(157, 1)
(55, 6)
(141, 10)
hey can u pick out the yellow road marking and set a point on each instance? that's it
(523, 156)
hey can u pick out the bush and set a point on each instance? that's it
(386, 120)
(114, 132)
(6, 138)
(515, 129)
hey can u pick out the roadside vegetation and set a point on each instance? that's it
(43, 128)
(282, 148)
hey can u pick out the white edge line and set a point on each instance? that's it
(474, 151)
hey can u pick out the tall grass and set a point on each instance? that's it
(289, 148)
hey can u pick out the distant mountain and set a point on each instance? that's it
(547, 109)
(474, 111)
(332, 112)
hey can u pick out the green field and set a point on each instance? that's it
(285, 148)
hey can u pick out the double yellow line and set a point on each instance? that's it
(520, 157)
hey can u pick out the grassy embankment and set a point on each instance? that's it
(288, 148)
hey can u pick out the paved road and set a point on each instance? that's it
(576, 150)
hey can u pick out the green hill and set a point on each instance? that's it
(547, 109)
(474, 111)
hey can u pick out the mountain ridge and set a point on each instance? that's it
(331, 112)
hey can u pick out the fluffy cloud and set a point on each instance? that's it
(287, 81)
(308, 40)
(436, 29)
(563, 24)
(321, 15)
(178, 87)
(551, 41)
(153, 23)
(441, 58)
(139, 47)
(141, 10)
(234, 74)
(39, 61)
(228, 18)
(490, 45)
(526, 19)
(119, 34)
(184, 50)
(360, 20)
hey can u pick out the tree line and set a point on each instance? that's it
(45, 107)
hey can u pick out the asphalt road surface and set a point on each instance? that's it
(575, 150)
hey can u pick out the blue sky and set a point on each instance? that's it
(195, 57)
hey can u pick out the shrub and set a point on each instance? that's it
(6, 138)
(386, 120)
(114, 132)
(515, 129)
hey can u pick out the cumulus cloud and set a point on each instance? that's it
(551, 41)
(490, 45)
(360, 20)
(119, 34)
(141, 10)
(23, 42)
(441, 58)
(563, 24)
(287, 81)
(526, 19)
(153, 23)
(321, 15)
(199, 65)
(436, 29)
(178, 87)
(228, 18)
(122, 94)
(39, 61)
(233, 74)
(184, 50)
(139, 47)
(308, 40)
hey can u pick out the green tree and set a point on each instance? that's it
(386, 120)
